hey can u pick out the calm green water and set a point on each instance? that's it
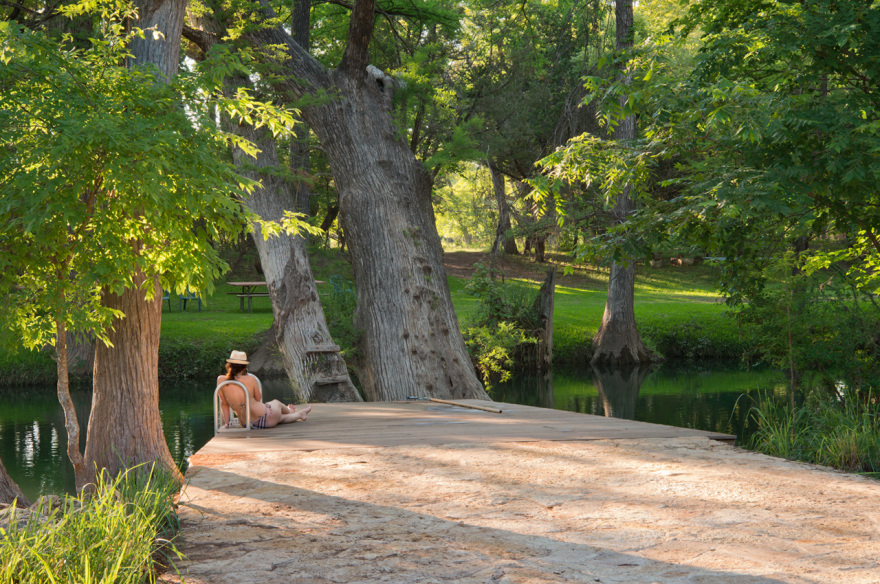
(33, 441)
(714, 397)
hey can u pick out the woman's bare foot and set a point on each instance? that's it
(302, 414)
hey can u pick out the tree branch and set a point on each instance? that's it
(360, 28)
(304, 75)
(200, 38)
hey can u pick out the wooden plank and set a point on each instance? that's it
(329, 348)
(332, 380)
(464, 405)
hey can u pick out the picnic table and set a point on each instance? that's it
(249, 291)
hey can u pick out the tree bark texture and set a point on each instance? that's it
(544, 307)
(9, 491)
(163, 52)
(311, 359)
(617, 341)
(71, 422)
(299, 143)
(124, 424)
(502, 233)
(410, 340)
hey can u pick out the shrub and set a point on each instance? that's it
(119, 533)
(493, 349)
(187, 358)
(704, 337)
(504, 334)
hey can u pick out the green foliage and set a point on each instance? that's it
(833, 429)
(465, 207)
(114, 535)
(104, 175)
(505, 324)
(500, 301)
(182, 358)
(689, 337)
(339, 306)
(493, 348)
(817, 322)
(108, 174)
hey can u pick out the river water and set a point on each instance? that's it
(716, 397)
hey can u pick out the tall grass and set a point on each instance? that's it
(119, 533)
(840, 431)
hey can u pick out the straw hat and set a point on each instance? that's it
(238, 357)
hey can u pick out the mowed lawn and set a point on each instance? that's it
(676, 293)
(680, 293)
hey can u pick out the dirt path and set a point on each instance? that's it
(670, 511)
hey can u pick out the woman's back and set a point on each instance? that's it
(233, 395)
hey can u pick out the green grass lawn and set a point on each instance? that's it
(671, 303)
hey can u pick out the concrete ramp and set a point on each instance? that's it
(431, 494)
(344, 425)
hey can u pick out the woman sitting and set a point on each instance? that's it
(263, 415)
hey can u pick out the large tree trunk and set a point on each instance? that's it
(411, 343)
(311, 359)
(502, 232)
(124, 425)
(618, 342)
(9, 491)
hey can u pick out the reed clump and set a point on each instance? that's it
(841, 431)
(120, 531)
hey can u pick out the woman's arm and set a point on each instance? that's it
(224, 410)
(258, 395)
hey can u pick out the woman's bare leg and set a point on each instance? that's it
(285, 409)
(299, 416)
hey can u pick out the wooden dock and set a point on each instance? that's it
(421, 422)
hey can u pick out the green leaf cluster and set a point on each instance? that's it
(105, 174)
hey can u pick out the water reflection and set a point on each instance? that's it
(619, 389)
(713, 397)
(33, 438)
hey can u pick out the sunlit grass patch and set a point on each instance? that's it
(120, 533)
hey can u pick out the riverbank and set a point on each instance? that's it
(679, 315)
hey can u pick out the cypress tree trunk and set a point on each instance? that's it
(311, 359)
(9, 491)
(124, 425)
(411, 343)
(300, 24)
(618, 342)
(71, 422)
(501, 233)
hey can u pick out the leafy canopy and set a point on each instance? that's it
(106, 173)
